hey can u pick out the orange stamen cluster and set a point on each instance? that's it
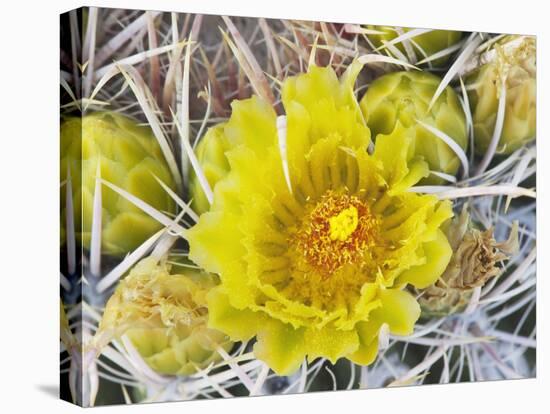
(328, 254)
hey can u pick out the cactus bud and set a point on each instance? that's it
(405, 97)
(211, 155)
(165, 317)
(130, 158)
(514, 63)
(422, 46)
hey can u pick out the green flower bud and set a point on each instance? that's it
(423, 45)
(130, 158)
(165, 316)
(405, 97)
(211, 155)
(514, 59)
(474, 262)
(178, 351)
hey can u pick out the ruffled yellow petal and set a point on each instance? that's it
(399, 309)
(396, 308)
(240, 325)
(437, 255)
(367, 351)
(252, 124)
(218, 253)
(281, 346)
(330, 343)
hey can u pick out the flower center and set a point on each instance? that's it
(344, 224)
(338, 230)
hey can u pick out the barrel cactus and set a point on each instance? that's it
(130, 158)
(320, 260)
(404, 98)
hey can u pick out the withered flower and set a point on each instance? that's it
(475, 261)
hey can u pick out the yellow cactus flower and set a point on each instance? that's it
(405, 97)
(165, 317)
(515, 62)
(314, 238)
(130, 158)
(422, 46)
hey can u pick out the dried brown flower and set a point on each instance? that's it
(475, 261)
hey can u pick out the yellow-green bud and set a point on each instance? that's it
(513, 59)
(130, 158)
(405, 97)
(474, 262)
(165, 316)
(211, 155)
(428, 43)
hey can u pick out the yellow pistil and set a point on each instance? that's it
(338, 231)
(343, 224)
